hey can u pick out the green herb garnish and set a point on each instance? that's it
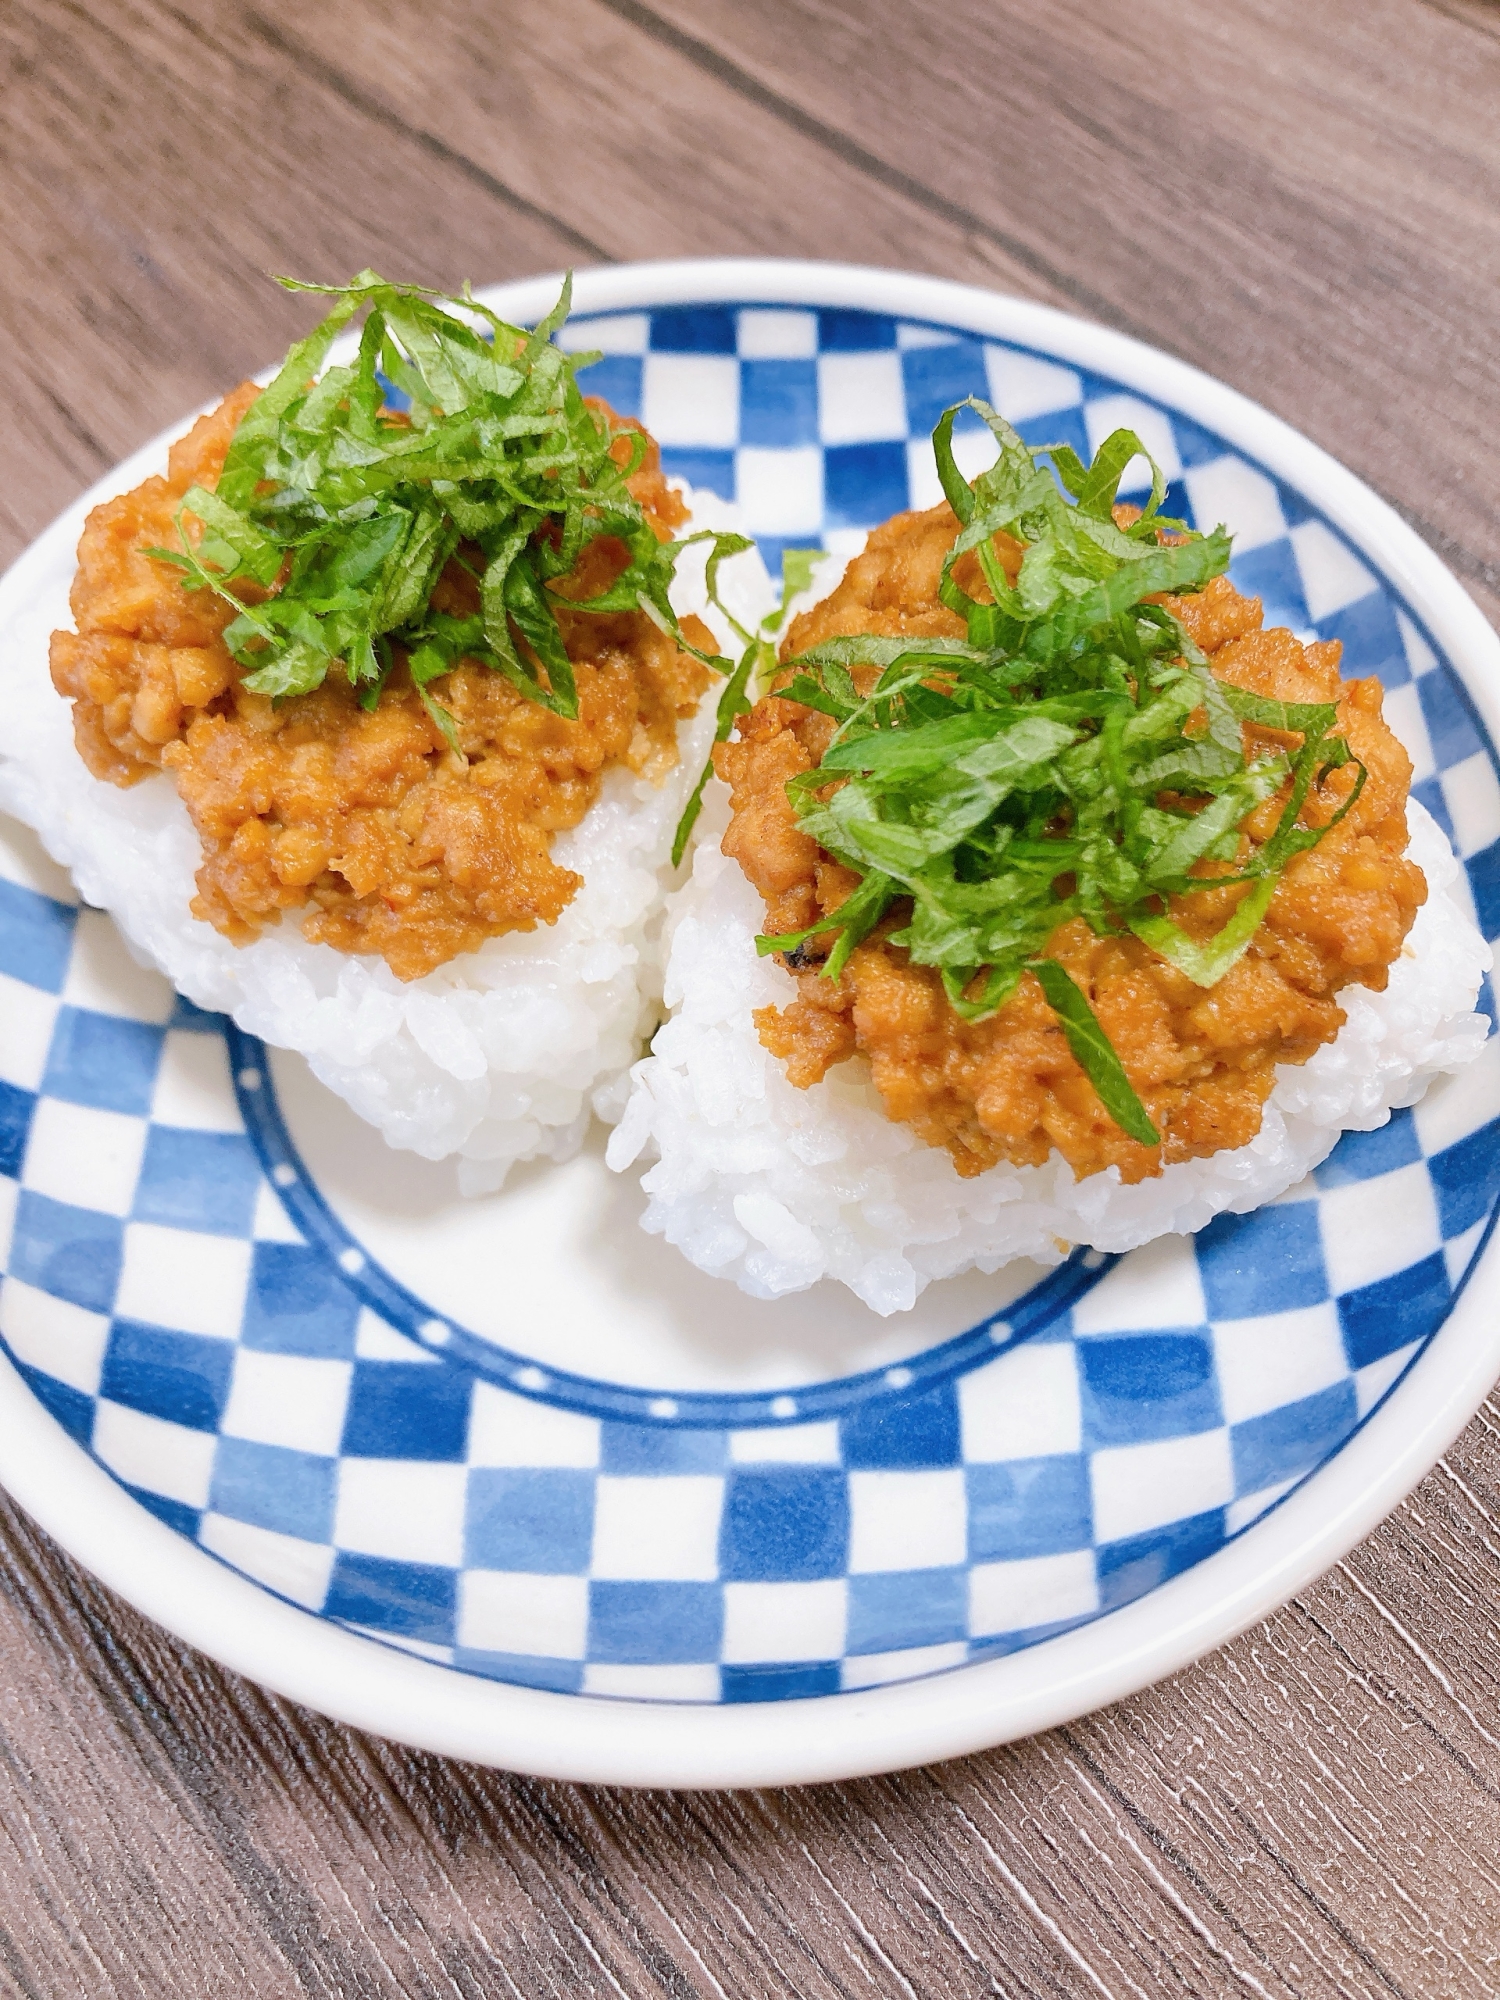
(756, 663)
(349, 512)
(1073, 757)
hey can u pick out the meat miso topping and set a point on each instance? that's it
(369, 822)
(1008, 1087)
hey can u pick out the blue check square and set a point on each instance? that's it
(694, 330)
(103, 1061)
(392, 397)
(1056, 427)
(534, 1670)
(181, 1377)
(298, 1304)
(179, 1517)
(644, 1448)
(802, 1682)
(701, 466)
(1267, 1262)
(36, 937)
(1147, 1385)
(784, 1523)
(198, 1180)
(910, 1607)
(72, 1409)
(864, 484)
(1128, 1569)
(1451, 726)
(73, 1253)
(1484, 879)
(778, 402)
(1466, 1180)
(773, 549)
(1364, 1156)
(1429, 793)
(617, 378)
(409, 1600)
(398, 1409)
(1285, 1443)
(194, 1020)
(1371, 639)
(655, 1624)
(841, 332)
(911, 1431)
(16, 1107)
(1271, 574)
(1196, 446)
(1175, 504)
(1029, 1507)
(519, 1519)
(1380, 1318)
(938, 377)
(287, 1492)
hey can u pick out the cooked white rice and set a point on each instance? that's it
(499, 1056)
(777, 1187)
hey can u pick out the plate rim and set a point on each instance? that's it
(590, 1739)
(580, 1738)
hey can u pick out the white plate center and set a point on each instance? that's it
(557, 1267)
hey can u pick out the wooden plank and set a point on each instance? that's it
(318, 141)
(644, 124)
(137, 278)
(1305, 202)
(1304, 1814)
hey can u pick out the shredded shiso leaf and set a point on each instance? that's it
(1074, 756)
(756, 664)
(335, 516)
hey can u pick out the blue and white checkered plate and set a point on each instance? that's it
(509, 1479)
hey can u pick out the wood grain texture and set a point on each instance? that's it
(1305, 200)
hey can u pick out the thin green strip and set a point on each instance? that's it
(1094, 1052)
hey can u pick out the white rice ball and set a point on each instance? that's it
(776, 1187)
(502, 1054)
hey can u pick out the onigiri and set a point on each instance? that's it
(1055, 901)
(502, 1053)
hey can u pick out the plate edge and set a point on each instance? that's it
(122, 1543)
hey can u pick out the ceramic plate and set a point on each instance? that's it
(506, 1477)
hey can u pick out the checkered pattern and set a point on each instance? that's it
(228, 1367)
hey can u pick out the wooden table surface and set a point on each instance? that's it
(1302, 196)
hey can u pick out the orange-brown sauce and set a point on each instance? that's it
(368, 823)
(1008, 1088)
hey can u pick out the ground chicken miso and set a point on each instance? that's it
(1008, 1087)
(386, 839)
